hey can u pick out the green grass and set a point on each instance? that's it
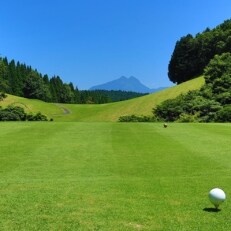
(113, 176)
(104, 112)
(139, 106)
(32, 105)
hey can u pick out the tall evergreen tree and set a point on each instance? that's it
(4, 86)
(192, 54)
(35, 88)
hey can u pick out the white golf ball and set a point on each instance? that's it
(217, 196)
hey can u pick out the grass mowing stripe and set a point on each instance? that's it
(210, 135)
(111, 176)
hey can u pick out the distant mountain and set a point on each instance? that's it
(125, 84)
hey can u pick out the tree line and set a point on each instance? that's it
(192, 54)
(22, 80)
(208, 53)
(211, 103)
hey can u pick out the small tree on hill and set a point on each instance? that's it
(2, 96)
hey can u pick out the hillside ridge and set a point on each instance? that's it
(109, 112)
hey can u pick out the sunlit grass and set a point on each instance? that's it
(113, 176)
(32, 105)
(139, 106)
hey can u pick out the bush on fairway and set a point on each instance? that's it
(16, 113)
(136, 118)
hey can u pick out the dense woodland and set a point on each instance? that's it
(212, 103)
(209, 54)
(22, 80)
(192, 54)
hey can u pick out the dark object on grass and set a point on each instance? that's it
(165, 125)
(211, 210)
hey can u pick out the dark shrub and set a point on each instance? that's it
(17, 111)
(135, 118)
(2, 96)
(224, 115)
(37, 117)
(8, 116)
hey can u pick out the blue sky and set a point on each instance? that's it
(89, 42)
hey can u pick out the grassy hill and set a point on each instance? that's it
(103, 112)
(32, 105)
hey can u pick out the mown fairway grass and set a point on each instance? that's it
(113, 176)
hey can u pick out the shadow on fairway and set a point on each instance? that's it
(211, 210)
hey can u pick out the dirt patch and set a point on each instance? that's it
(65, 110)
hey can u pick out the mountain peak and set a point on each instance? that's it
(124, 84)
(132, 77)
(123, 78)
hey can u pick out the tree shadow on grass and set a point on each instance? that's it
(211, 210)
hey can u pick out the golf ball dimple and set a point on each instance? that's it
(217, 196)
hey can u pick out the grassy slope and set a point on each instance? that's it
(32, 105)
(139, 106)
(113, 176)
(106, 112)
